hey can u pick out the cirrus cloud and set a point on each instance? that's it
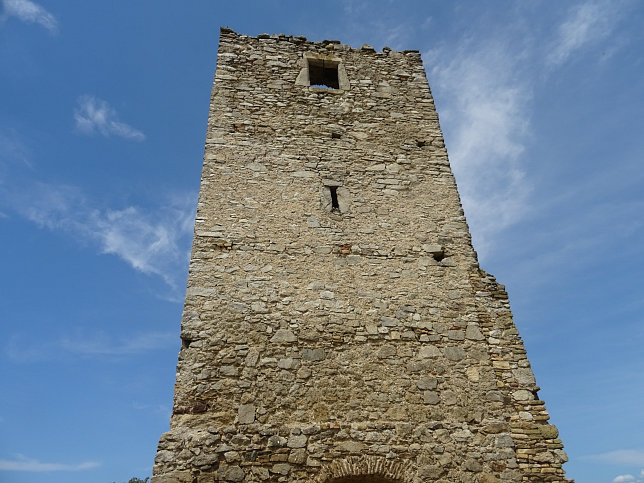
(96, 115)
(31, 12)
(622, 456)
(629, 478)
(587, 24)
(154, 242)
(22, 348)
(486, 120)
(22, 463)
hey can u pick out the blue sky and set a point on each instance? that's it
(103, 109)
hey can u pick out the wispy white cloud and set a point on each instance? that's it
(587, 24)
(154, 242)
(630, 457)
(101, 344)
(353, 7)
(621, 456)
(380, 24)
(23, 349)
(22, 463)
(28, 11)
(96, 115)
(600, 211)
(629, 477)
(162, 410)
(12, 150)
(149, 244)
(485, 88)
(49, 206)
(394, 36)
(485, 113)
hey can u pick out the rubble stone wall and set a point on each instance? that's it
(337, 326)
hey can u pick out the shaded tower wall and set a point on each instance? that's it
(337, 326)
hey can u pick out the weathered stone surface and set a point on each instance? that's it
(336, 323)
(429, 351)
(522, 395)
(246, 414)
(428, 382)
(473, 332)
(431, 397)
(233, 473)
(205, 459)
(524, 376)
(313, 354)
(276, 441)
(297, 456)
(281, 468)
(504, 441)
(454, 353)
(297, 441)
(548, 431)
(283, 335)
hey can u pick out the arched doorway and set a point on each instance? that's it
(362, 479)
(364, 469)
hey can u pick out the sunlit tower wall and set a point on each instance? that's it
(337, 327)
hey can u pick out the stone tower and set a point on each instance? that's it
(337, 327)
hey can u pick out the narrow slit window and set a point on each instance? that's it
(334, 198)
(323, 73)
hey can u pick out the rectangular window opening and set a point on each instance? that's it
(323, 73)
(334, 198)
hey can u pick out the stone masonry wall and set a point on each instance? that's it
(333, 344)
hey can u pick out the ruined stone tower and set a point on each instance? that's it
(337, 327)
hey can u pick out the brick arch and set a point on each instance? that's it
(361, 479)
(363, 469)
